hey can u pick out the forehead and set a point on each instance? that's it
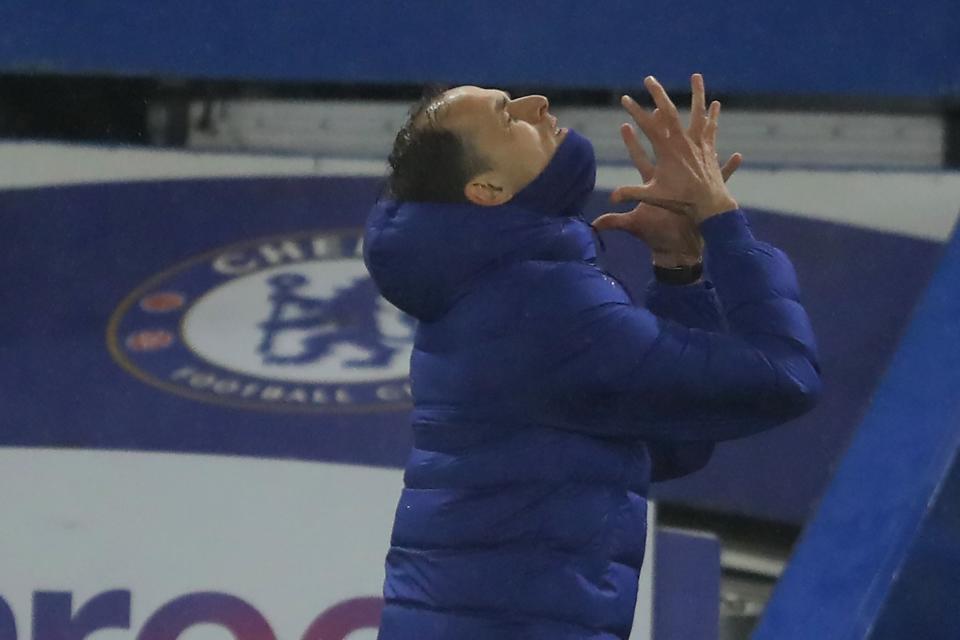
(464, 105)
(469, 93)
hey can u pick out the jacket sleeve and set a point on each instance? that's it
(671, 460)
(614, 369)
(695, 306)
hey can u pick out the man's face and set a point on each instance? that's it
(517, 136)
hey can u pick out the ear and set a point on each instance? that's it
(487, 190)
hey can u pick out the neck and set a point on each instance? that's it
(564, 185)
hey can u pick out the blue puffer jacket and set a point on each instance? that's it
(545, 402)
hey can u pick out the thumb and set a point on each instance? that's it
(632, 193)
(731, 165)
(611, 221)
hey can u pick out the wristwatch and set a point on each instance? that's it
(684, 274)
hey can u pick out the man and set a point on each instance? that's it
(545, 401)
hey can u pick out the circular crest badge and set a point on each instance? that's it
(290, 323)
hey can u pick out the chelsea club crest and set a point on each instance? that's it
(290, 323)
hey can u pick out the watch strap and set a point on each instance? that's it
(684, 274)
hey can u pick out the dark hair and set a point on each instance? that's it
(429, 163)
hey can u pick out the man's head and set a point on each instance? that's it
(469, 144)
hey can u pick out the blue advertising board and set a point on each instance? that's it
(233, 316)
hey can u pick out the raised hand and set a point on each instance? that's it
(672, 235)
(687, 178)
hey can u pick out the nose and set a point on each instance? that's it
(530, 108)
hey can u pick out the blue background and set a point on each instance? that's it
(855, 48)
(879, 559)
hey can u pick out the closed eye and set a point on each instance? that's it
(502, 106)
